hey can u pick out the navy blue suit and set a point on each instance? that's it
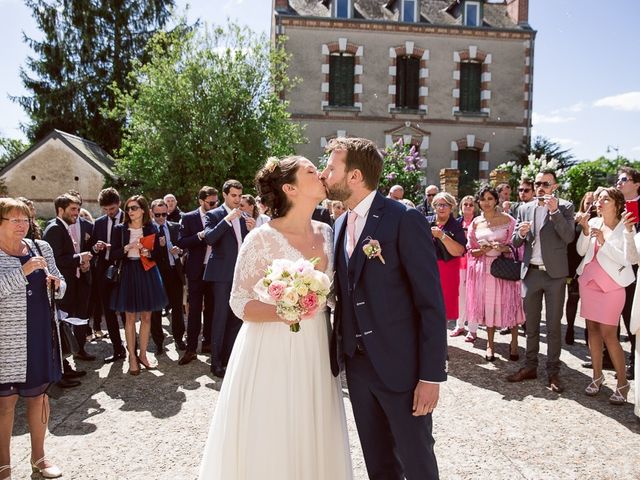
(198, 290)
(390, 331)
(224, 252)
(103, 287)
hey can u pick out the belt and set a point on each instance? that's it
(537, 267)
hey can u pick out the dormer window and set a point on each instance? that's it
(342, 8)
(409, 11)
(471, 14)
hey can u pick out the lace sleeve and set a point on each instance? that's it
(328, 238)
(254, 257)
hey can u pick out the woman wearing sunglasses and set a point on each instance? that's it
(140, 290)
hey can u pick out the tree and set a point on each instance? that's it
(587, 176)
(205, 108)
(403, 166)
(87, 45)
(10, 148)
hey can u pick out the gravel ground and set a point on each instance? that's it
(154, 426)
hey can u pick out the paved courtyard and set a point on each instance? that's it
(154, 426)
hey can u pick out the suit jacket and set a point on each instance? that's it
(398, 305)
(100, 233)
(224, 245)
(557, 232)
(611, 255)
(163, 252)
(321, 214)
(188, 240)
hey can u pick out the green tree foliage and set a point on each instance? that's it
(10, 148)
(587, 176)
(205, 108)
(403, 166)
(86, 46)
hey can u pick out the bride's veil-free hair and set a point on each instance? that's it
(270, 179)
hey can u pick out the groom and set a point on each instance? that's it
(389, 328)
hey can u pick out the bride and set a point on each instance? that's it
(280, 414)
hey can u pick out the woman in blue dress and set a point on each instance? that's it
(30, 358)
(140, 290)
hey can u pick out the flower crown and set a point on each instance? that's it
(272, 163)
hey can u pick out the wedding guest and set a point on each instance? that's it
(407, 203)
(448, 240)
(35, 232)
(86, 215)
(396, 193)
(504, 197)
(30, 360)
(425, 207)
(629, 184)
(525, 195)
(264, 209)
(337, 209)
(632, 249)
(603, 275)
(492, 301)
(545, 227)
(249, 206)
(586, 208)
(467, 214)
(140, 290)
(175, 214)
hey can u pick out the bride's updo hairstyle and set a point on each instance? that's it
(270, 180)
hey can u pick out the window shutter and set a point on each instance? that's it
(469, 168)
(341, 80)
(470, 75)
(408, 82)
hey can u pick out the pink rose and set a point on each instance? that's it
(309, 302)
(276, 290)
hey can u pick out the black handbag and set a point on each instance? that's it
(507, 268)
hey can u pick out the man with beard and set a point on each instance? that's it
(390, 327)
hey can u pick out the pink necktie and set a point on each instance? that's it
(351, 232)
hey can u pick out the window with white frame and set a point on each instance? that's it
(409, 11)
(472, 14)
(341, 77)
(342, 8)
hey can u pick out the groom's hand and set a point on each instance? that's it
(425, 398)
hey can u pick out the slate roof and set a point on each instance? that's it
(432, 12)
(89, 151)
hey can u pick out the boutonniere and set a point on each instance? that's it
(372, 249)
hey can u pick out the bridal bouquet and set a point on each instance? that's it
(296, 288)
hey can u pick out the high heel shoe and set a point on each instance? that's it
(51, 471)
(595, 386)
(147, 367)
(489, 358)
(133, 371)
(6, 467)
(618, 398)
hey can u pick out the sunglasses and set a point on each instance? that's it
(132, 208)
(211, 204)
(622, 180)
(431, 194)
(525, 190)
(158, 215)
(543, 184)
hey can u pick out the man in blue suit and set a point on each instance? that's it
(225, 229)
(191, 239)
(389, 322)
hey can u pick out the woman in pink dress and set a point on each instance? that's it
(604, 274)
(492, 301)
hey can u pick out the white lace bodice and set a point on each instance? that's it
(262, 246)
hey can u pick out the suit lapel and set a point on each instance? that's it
(338, 239)
(373, 220)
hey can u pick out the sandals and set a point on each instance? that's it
(618, 398)
(594, 387)
(456, 332)
(471, 337)
(51, 471)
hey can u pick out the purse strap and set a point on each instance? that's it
(514, 252)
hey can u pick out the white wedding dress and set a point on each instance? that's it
(280, 414)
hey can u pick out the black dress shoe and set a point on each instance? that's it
(84, 356)
(115, 357)
(180, 345)
(218, 371)
(505, 331)
(66, 383)
(69, 374)
(587, 365)
(188, 357)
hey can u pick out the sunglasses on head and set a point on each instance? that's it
(158, 215)
(132, 208)
(543, 184)
(525, 190)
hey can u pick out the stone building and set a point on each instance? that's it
(57, 163)
(453, 77)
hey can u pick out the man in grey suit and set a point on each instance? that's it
(546, 227)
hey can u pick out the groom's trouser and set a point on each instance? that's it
(396, 445)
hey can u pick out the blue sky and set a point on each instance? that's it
(586, 72)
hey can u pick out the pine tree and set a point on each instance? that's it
(87, 46)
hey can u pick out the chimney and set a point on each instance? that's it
(518, 10)
(281, 5)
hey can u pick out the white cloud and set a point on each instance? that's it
(628, 102)
(567, 142)
(540, 118)
(575, 108)
(636, 149)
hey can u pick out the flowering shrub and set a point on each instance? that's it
(531, 169)
(403, 166)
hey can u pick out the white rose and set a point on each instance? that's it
(290, 297)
